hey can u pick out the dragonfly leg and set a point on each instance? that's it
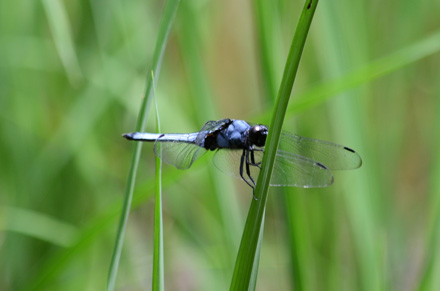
(241, 171)
(253, 159)
(248, 170)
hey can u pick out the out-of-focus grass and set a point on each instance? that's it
(68, 91)
(166, 23)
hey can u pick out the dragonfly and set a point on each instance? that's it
(239, 148)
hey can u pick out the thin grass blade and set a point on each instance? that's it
(430, 279)
(158, 265)
(204, 108)
(244, 265)
(266, 21)
(164, 31)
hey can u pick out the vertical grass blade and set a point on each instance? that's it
(430, 279)
(164, 31)
(265, 20)
(362, 199)
(158, 266)
(58, 261)
(191, 41)
(244, 265)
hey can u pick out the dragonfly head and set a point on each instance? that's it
(257, 135)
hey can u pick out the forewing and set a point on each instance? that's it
(179, 154)
(332, 156)
(208, 127)
(294, 170)
(213, 124)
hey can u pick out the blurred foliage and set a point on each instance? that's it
(72, 75)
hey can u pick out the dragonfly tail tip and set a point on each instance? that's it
(128, 136)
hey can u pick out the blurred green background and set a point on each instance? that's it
(72, 75)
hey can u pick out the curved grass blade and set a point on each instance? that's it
(37, 225)
(164, 31)
(376, 69)
(247, 253)
(62, 35)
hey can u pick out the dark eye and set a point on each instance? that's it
(257, 135)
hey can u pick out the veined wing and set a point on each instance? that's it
(289, 169)
(295, 170)
(228, 162)
(208, 127)
(179, 150)
(332, 156)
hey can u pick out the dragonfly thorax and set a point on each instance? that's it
(233, 135)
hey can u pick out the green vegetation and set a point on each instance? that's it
(72, 80)
(246, 266)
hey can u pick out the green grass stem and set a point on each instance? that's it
(245, 262)
(205, 107)
(71, 81)
(158, 264)
(265, 21)
(431, 266)
(164, 31)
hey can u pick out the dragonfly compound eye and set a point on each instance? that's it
(257, 135)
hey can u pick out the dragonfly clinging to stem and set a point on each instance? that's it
(239, 145)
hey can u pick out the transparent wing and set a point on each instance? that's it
(295, 170)
(332, 156)
(181, 150)
(178, 153)
(228, 162)
(214, 124)
(208, 127)
(289, 169)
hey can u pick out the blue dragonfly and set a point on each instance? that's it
(239, 147)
